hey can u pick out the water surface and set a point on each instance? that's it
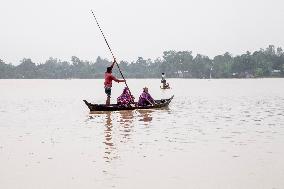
(215, 134)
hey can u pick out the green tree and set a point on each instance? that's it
(6, 70)
(222, 66)
(27, 69)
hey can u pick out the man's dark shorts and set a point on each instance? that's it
(108, 91)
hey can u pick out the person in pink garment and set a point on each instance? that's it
(108, 81)
(145, 98)
(125, 99)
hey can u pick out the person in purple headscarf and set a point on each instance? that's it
(125, 99)
(145, 98)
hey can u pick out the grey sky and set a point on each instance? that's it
(62, 28)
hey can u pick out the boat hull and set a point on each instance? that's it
(114, 107)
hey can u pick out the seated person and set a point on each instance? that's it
(145, 98)
(166, 85)
(125, 98)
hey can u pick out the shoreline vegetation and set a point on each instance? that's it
(264, 63)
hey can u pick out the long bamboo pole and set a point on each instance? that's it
(111, 51)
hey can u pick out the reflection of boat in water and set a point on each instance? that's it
(110, 148)
(114, 107)
(118, 129)
(145, 115)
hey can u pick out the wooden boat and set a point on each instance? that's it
(115, 107)
(164, 87)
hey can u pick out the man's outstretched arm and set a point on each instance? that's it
(117, 80)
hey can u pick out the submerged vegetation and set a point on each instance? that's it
(267, 62)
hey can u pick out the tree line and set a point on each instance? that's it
(267, 62)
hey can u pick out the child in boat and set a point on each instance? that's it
(125, 99)
(108, 81)
(145, 98)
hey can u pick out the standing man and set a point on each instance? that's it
(108, 81)
(163, 78)
(164, 82)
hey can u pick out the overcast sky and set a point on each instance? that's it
(63, 28)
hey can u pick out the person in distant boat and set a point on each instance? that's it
(108, 81)
(164, 81)
(125, 99)
(163, 78)
(145, 98)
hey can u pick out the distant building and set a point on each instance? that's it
(179, 74)
(275, 72)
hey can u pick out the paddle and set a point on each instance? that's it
(111, 53)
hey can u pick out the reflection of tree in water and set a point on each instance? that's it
(145, 116)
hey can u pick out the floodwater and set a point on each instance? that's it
(216, 134)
